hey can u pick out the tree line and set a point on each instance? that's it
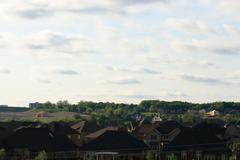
(144, 106)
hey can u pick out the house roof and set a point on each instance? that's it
(86, 127)
(118, 141)
(100, 132)
(143, 131)
(232, 132)
(38, 139)
(78, 125)
(168, 126)
(14, 125)
(209, 128)
(59, 128)
(191, 138)
(4, 133)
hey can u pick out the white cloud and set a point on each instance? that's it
(4, 71)
(142, 43)
(44, 81)
(124, 81)
(58, 42)
(134, 70)
(204, 79)
(194, 26)
(220, 47)
(225, 7)
(67, 72)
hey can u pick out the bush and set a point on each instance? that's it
(2, 154)
(41, 156)
(149, 156)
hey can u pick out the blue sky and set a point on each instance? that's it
(119, 50)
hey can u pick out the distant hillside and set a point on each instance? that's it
(14, 109)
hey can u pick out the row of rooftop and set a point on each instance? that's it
(88, 141)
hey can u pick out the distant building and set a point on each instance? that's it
(35, 105)
(213, 113)
(3, 105)
(157, 119)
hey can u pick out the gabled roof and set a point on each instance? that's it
(86, 127)
(59, 128)
(190, 138)
(100, 132)
(78, 125)
(143, 131)
(118, 141)
(38, 139)
(168, 126)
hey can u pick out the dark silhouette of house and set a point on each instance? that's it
(40, 139)
(203, 141)
(59, 128)
(85, 128)
(117, 144)
(168, 126)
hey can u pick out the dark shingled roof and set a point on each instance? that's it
(143, 131)
(101, 131)
(38, 139)
(86, 127)
(4, 133)
(168, 126)
(118, 141)
(209, 128)
(60, 128)
(199, 137)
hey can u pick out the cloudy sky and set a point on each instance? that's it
(119, 50)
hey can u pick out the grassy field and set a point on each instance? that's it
(31, 115)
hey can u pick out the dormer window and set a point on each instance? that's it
(165, 137)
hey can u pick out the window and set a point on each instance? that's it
(209, 157)
(165, 137)
(198, 155)
(223, 157)
(183, 155)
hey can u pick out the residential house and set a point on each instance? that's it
(85, 128)
(157, 119)
(114, 145)
(213, 113)
(41, 139)
(159, 134)
(201, 142)
(62, 128)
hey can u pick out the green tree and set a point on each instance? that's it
(172, 157)
(21, 154)
(235, 147)
(41, 156)
(63, 105)
(149, 156)
(2, 154)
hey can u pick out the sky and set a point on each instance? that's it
(119, 50)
